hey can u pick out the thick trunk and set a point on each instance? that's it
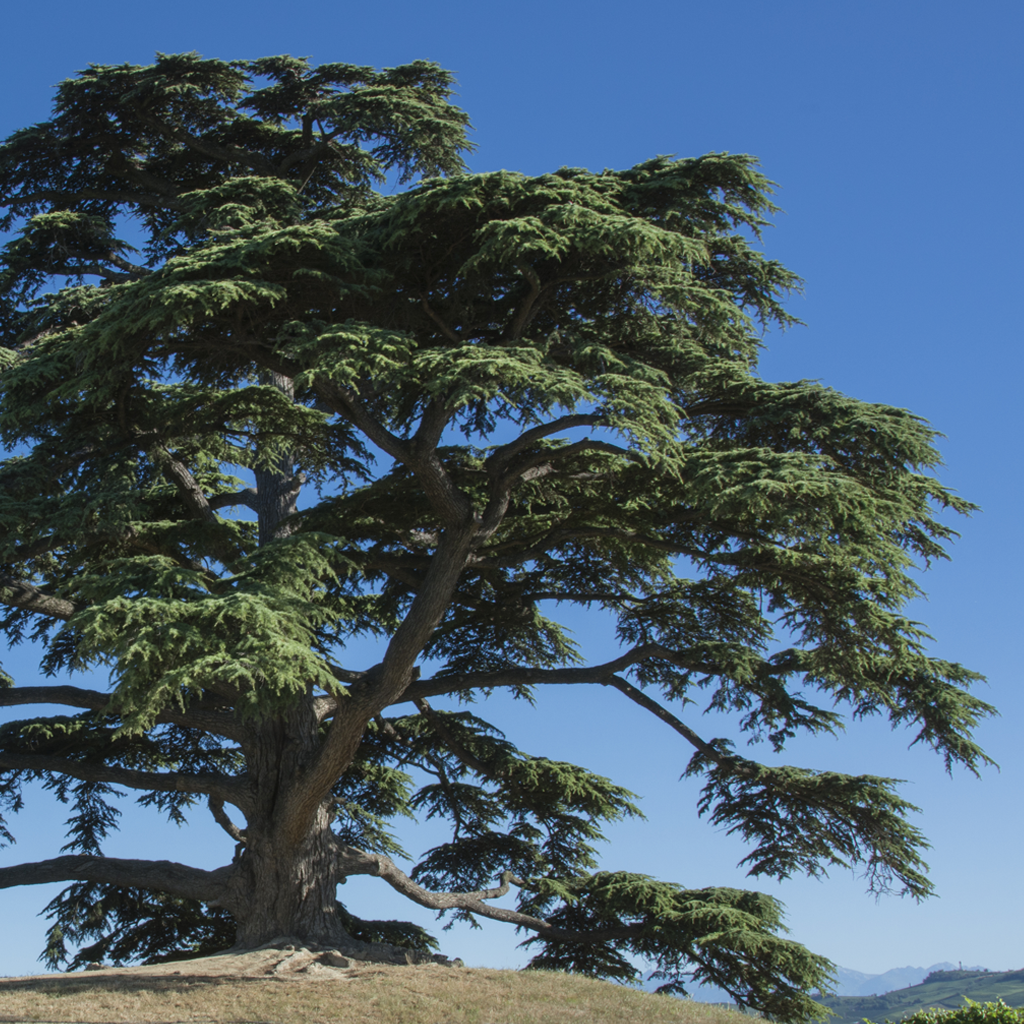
(285, 877)
(282, 889)
(284, 884)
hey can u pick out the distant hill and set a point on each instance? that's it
(856, 983)
(944, 989)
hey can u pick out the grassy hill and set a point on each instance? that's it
(364, 994)
(940, 990)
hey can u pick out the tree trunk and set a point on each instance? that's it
(283, 885)
(282, 889)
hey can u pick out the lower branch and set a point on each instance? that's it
(156, 875)
(224, 786)
(20, 594)
(196, 716)
(353, 861)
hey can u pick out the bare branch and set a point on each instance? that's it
(641, 698)
(192, 496)
(501, 457)
(221, 723)
(442, 326)
(353, 861)
(521, 469)
(19, 594)
(219, 815)
(191, 493)
(232, 789)
(245, 497)
(527, 308)
(604, 675)
(519, 677)
(156, 875)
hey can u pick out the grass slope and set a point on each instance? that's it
(370, 995)
(940, 990)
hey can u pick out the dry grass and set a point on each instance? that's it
(368, 994)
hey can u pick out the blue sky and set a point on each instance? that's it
(893, 130)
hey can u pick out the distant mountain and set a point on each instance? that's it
(848, 984)
(940, 989)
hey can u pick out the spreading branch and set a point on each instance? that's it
(194, 499)
(353, 861)
(155, 875)
(227, 788)
(18, 594)
(605, 675)
(221, 723)
(247, 497)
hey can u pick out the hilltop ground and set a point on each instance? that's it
(270, 986)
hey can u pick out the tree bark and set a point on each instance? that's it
(282, 889)
(285, 884)
(277, 484)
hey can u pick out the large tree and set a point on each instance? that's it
(441, 415)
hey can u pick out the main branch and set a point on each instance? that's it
(220, 723)
(156, 875)
(233, 790)
(354, 861)
(20, 594)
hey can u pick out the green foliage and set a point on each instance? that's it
(973, 1013)
(131, 925)
(559, 374)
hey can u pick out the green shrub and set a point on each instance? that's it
(973, 1013)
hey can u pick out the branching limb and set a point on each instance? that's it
(163, 876)
(441, 325)
(192, 496)
(220, 816)
(528, 307)
(196, 717)
(227, 788)
(395, 676)
(353, 861)
(527, 469)
(440, 768)
(501, 457)
(247, 497)
(225, 154)
(19, 594)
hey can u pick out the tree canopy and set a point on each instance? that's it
(443, 415)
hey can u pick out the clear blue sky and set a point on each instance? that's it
(894, 130)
